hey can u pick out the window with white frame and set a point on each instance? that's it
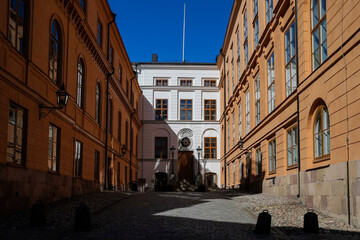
(233, 128)
(256, 23)
(238, 54)
(292, 146)
(321, 133)
(246, 50)
(53, 151)
(258, 161)
(318, 32)
(234, 166)
(257, 100)
(272, 155)
(228, 136)
(247, 112)
(290, 59)
(232, 69)
(78, 158)
(271, 84)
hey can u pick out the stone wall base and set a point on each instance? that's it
(21, 187)
(323, 189)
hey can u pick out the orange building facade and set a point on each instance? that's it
(290, 102)
(50, 154)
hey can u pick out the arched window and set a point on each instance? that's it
(55, 53)
(97, 103)
(321, 133)
(110, 117)
(80, 84)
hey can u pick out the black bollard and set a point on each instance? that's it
(311, 223)
(263, 224)
(82, 218)
(38, 215)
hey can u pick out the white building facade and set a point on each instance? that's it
(180, 108)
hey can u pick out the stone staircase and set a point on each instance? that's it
(185, 186)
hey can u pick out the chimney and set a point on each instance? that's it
(154, 57)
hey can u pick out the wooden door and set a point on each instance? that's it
(186, 166)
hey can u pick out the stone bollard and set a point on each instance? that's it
(311, 223)
(38, 215)
(263, 224)
(82, 218)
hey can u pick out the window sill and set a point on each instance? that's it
(272, 173)
(322, 158)
(15, 165)
(53, 172)
(292, 167)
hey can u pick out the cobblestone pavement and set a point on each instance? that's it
(181, 215)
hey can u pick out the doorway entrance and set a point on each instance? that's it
(186, 165)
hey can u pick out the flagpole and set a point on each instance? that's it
(183, 55)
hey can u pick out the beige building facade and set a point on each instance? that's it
(290, 102)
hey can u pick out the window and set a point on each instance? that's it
(127, 88)
(246, 50)
(240, 170)
(78, 158)
(233, 128)
(238, 54)
(269, 10)
(80, 84)
(240, 130)
(185, 109)
(99, 33)
(186, 82)
(161, 82)
(319, 32)
(271, 84)
(54, 148)
(258, 161)
(120, 74)
(98, 103)
(210, 147)
(256, 23)
(272, 156)
(290, 59)
(126, 134)
(161, 110)
(228, 134)
(233, 172)
(210, 83)
(119, 126)
(247, 112)
(97, 166)
(322, 133)
(17, 24)
(55, 53)
(292, 148)
(110, 116)
(83, 5)
(210, 110)
(232, 69)
(228, 173)
(111, 56)
(161, 147)
(16, 135)
(257, 100)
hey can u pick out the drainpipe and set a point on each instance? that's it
(297, 95)
(107, 107)
(131, 132)
(347, 118)
(222, 54)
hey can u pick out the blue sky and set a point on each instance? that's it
(156, 26)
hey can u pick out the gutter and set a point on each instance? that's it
(297, 97)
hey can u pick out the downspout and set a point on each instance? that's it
(221, 53)
(131, 132)
(347, 118)
(107, 106)
(297, 96)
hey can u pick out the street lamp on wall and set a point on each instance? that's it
(199, 153)
(172, 150)
(62, 99)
